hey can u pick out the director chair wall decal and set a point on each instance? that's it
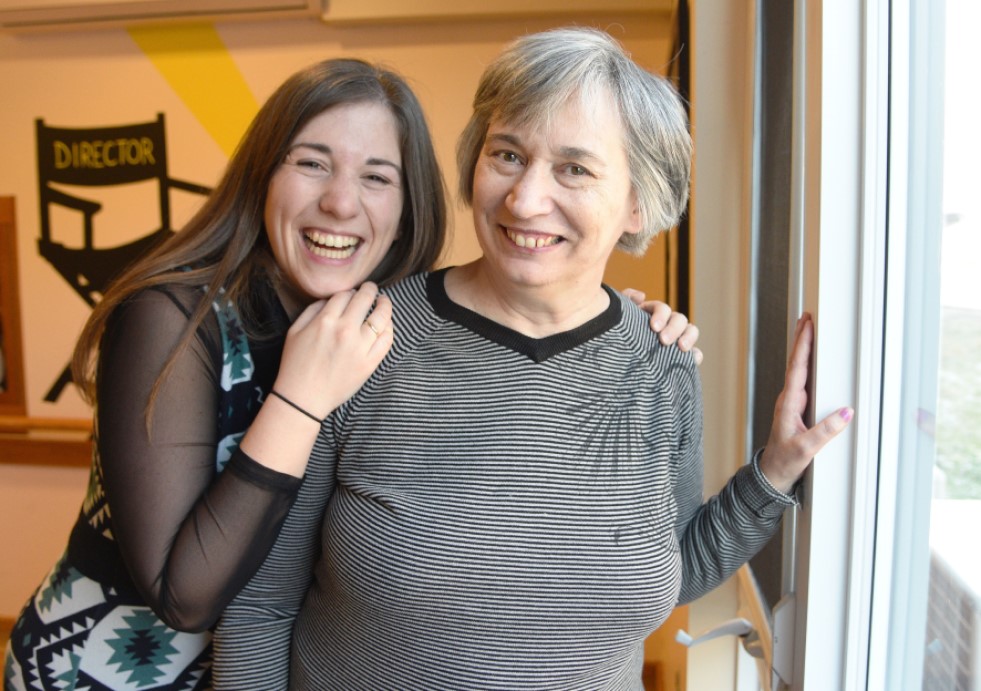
(98, 157)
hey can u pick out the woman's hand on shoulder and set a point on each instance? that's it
(333, 347)
(791, 445)
(670, 326)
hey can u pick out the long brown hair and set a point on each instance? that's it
(224, 246)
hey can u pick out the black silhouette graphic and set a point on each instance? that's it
(104, 156)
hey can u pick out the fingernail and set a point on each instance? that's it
(846, 414)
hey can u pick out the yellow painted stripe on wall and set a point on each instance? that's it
(197, 65)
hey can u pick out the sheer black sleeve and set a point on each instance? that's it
(190, 537)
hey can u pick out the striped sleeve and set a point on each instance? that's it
(720, 535)
(252, 640)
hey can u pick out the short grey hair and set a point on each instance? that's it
(536, 75)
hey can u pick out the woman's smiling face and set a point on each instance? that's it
(550, 204)
(334, 204)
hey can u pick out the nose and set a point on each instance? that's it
(530, 193)
(340, 197)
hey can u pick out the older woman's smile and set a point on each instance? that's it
(525, 239)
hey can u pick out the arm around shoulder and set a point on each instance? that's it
(188, 535)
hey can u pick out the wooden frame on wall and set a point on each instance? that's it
(11, 345)
(26, 440)
(45, 442)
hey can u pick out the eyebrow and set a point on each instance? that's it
(575, 152)
(326, 150)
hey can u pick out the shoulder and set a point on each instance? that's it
(414, 320)
(164, 312)
(635, 328)
(412, 310)
(171, 303)
(668, 365)
(410, 289)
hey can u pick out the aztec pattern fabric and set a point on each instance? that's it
(77, 632)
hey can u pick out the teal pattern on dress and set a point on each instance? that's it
(237, 366)
(142, 648)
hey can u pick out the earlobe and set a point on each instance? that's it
(634, 223)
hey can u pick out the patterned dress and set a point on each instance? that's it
(87, 625)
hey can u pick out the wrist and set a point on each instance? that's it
(778, 482)
(299, 409)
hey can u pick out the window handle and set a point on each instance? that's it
(733, 627)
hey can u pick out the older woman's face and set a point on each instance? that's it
(334, 204)
(550, 206)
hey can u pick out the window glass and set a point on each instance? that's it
(952, 658)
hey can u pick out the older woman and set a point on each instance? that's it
(518, 486)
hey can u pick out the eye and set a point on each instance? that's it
(310, 163)
(378, 180)
(576, 170)
(308, 160)
(308, 166)
(506, 156)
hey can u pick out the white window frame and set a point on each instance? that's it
(860, 160)
(911, 353)
(871, 170)
(843, 68)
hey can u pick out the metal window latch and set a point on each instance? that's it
(782, 663)
(733, 627)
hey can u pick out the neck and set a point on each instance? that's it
(292, 300)
(535, 311)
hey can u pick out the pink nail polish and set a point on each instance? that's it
(846, 414)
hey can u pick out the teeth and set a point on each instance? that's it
(531, 241)
(331, 240)
(331, 246)
(332, 254)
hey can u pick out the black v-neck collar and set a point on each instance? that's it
(538, 349)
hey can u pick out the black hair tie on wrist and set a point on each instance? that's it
(294, 405)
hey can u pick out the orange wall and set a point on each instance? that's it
(107, 77)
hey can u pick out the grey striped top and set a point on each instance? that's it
(509, 513)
